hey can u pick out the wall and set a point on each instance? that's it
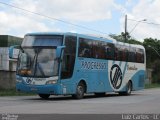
(7, 66)
(7, 69)
(7, 79)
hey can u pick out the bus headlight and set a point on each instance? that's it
(51, 82)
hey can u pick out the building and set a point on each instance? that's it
(7, 66)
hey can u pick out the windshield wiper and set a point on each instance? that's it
(37, 67)
(35, 62)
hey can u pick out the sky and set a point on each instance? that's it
(100, 17)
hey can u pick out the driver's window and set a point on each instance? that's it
(68, 57)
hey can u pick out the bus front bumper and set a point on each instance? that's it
(40, 89)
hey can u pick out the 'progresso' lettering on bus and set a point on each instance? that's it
(93, 65)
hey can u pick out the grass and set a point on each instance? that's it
(13, 92)
(153, 85)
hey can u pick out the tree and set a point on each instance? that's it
(117, 37)
(121, 38)
(150, 44)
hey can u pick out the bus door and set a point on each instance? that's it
(67, 64)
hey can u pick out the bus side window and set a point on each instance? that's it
(85, 49)
(116, 54)
(140, 56)
(68, 57)
(95, 53)
(132, 55)
(109, 51)
(101, 50)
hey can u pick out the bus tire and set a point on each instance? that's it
(44, 96)
(128, 89)
(80, 90)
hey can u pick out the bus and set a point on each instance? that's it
(77, 64)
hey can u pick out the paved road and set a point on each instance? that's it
(145, 101)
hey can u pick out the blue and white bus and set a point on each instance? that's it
(76, 64)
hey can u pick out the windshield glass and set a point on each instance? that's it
(37, 57)
(37, 62)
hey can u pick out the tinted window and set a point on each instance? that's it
(102, 50)
(68, 57)
(139, 55)
(109, 51)
(95, 49)
(85, 48)
(132, 54)
(119, 53)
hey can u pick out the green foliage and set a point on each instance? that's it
(13, 92)
(156, 71)
(117, 37)
(132, 41)
(121, 38)
(153, 85)
(152, 45)
(7, 40)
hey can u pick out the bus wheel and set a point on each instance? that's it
(128, 89)
(79, 91)
(44, 96)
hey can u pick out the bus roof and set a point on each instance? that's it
(89, 36)
(95, 37)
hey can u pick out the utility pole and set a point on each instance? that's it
(125, 31)
(126, 34)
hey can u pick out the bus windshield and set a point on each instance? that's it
(37, 62)
(42, 40)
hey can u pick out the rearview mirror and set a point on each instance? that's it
(14, 51)
(59, 50)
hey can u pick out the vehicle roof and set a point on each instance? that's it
(74, 34)
(89, 36)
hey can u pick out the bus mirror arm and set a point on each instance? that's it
(13, 51)
(58, 59)
(59, 50)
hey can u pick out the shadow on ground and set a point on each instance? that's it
(69, 97)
